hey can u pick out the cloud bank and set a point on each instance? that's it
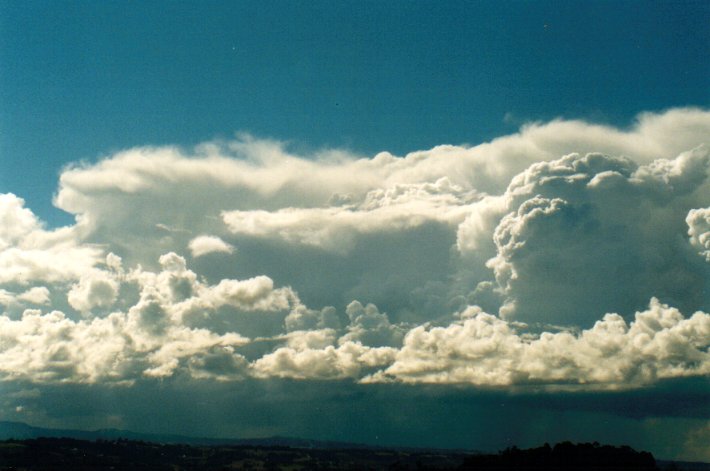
(568, 255)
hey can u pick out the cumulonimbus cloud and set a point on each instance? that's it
(566, 231)
(528, 260)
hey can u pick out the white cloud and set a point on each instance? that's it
(256, 293)
(366, 214)
(335, 228)
(484, 350)
(6, 297)
(698, 221)
(28, 253)
(518, 225)
(150, 339)
(203, 245)
(300, 340)
(35, 295)
(97, 290)
(188, 191)
(371, 327)
(16, 221)
(572, 228)
(175, 294)
(348, 360)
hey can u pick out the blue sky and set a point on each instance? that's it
(80, 79)
(403, 223)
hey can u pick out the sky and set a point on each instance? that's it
(450, 224)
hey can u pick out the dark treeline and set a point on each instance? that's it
(81, 455)
(566, 455)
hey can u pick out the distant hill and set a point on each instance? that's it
(322, 451)
(22, 431)
(44, 454)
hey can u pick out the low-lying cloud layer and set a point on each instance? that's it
(566, 256)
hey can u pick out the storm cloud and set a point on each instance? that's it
(569, 258)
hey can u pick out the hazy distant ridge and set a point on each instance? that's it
(21, 431)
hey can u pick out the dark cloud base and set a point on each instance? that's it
(430, 416)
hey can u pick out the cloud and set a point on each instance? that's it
(29, 254)
(153, 337)
(334, 228)
(506, 282)
(16, 220)
(203, 245)
(150, 340)
(35, 295)
(484, 350)
(301, 318)
(118, 349)
(348, 360)
(345, 219)
(698, 221)
(98, 290)
(368, 268)
(567, 230)
(371, 327)
(247, 174)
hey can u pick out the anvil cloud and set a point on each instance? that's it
(568, 256)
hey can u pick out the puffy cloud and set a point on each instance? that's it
(203, 245)
(6, 297)
(51, 265)
(202, 354)
(517, 225)
(98, 290)
(348, 360)
(484, 350)
(176, 295)
(302, 318)
(549, 228)
(698, 221)
(371, 327)
(16, 221)
(35, 295)
(480, 349)
(118, 348)
(366, 343)
(156, 336)
(573, 227)
(364, 214)
(179, 286)
(256, 293)
(28, 253)
(300, 340)
(53, 348)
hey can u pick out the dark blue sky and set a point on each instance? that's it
(80, 79)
